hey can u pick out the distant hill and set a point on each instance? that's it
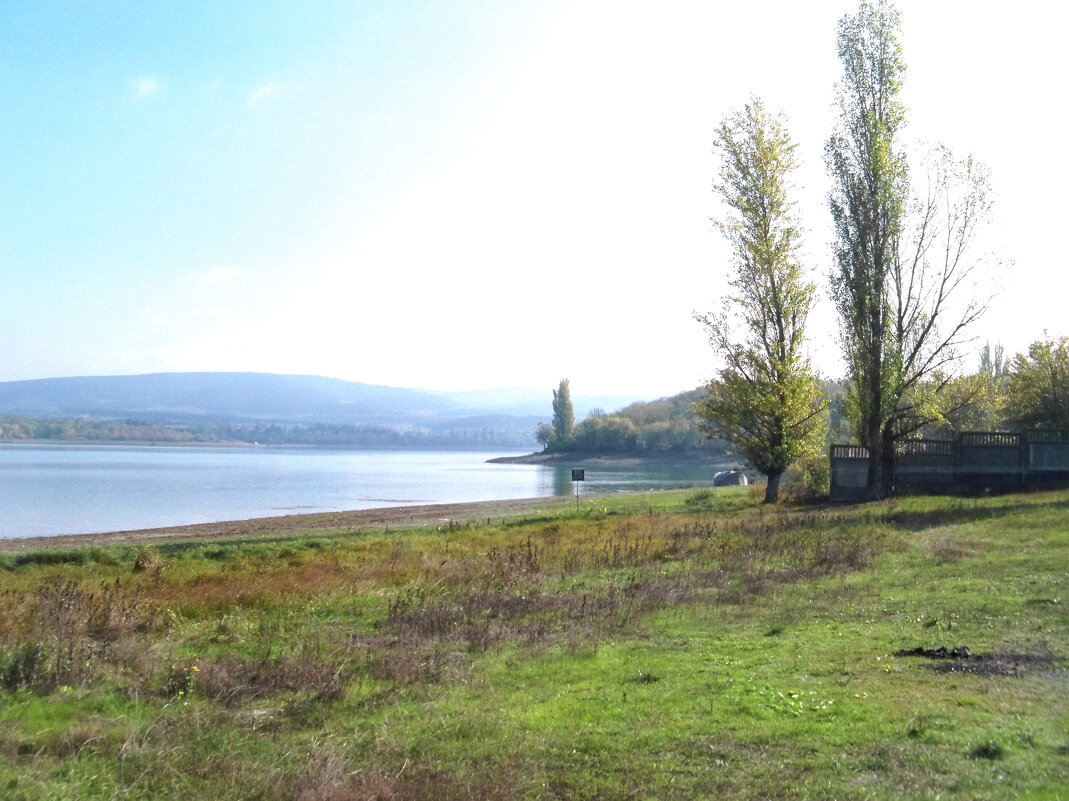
(221, 397)
(285, 400)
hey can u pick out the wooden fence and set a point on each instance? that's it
(973, 461)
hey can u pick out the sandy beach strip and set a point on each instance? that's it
(401, 516)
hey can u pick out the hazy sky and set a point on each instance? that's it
(458, 195)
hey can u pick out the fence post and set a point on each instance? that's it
(956, 483)
(1025, 461)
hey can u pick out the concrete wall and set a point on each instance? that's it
(849, 473)
(974, 461)
(925, 465)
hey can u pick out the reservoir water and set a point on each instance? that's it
(47, 490)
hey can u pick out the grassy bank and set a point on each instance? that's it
(681, 644)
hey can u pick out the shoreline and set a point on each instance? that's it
(354, 520)
(234, 443)
(401, 516)
(150, 443)
(620, 460)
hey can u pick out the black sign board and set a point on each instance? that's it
(577, 475)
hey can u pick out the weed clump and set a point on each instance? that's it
(147, 560)
(645, 677)
(181, 681)
(66, 556)
(19, 666)
(231, 681)
(67, 635)
(988, 749)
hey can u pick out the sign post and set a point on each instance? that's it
(577, 476)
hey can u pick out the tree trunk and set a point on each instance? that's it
(875, 430)
(875, 475)
(887, 464)
(887, 473)
(772, 488)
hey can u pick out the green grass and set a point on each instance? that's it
(685, 644)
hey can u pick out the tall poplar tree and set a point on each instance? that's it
(563, 414)
(868, 202)
(900, 260)
(765, 401)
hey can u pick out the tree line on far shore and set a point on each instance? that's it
(21, 428)
(667, 426)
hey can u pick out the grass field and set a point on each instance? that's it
(686, 644)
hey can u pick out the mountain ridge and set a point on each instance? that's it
(244, 397)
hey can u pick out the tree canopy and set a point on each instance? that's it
(765, 401)
(1037, 386)
(902, 252)
(563, 413)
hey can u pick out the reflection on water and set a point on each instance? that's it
(557, 479)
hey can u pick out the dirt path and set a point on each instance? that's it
(263, 526)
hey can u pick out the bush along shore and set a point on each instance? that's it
(684, 644)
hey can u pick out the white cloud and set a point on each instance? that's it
(147, 86)
(264, 92)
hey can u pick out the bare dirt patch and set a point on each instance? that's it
(963, 660)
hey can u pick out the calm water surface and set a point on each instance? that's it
(80, 489)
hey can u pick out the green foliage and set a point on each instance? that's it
(993, 361)
(681, 644)
(68, 556)
(606, 434)
(811, 471)
(771, 425)
(900, 260)
(19, 427)
(563, 414)
(1037, 387)
(766, 402)
(456, 434)
(868, 201)
(544, 434)
(667, 426)
(970, 403)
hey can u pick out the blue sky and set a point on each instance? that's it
(455, 194)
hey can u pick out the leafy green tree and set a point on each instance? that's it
(765, 402)
(606, 434)
(968, 403)
(563, 414)
(993, 361)
(974, 402)
(544, 434)
(1037, 387)
(900, 260)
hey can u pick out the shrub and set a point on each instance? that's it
(147, 559)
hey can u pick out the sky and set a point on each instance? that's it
(466, 194)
